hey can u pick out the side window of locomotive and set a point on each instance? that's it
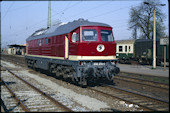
(46, 41)
(31, 43)
(49, 41)
(106, 35)
(75, 37)
(35, 43)
(89, 35)
(42, 41)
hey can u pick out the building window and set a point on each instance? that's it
(125, 48)
(129, 49)
(120, 48)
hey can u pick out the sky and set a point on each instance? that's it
(19, 19)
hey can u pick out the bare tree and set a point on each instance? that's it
(141, 18)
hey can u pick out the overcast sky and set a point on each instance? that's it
(19, 19)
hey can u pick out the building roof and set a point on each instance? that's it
(15, 45)
(125, 41)
(134, 41)
(63, 29)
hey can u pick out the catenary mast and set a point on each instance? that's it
(49, 14)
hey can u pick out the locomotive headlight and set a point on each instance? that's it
(114, 62)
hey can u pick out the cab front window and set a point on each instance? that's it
(106, 35)
(89, 35)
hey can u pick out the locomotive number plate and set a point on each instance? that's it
(98, 63)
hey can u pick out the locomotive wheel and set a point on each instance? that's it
(109, 75)
(82, 82)
(74, 81)
(34, 66)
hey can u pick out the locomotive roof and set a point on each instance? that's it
(63, 29)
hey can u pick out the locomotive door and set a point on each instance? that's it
(66, 47)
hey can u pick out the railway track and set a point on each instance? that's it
(30, 97)
(19, 60)
(146, 102)
(14, 103)
(143, 82)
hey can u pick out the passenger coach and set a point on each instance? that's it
(140, 50)
(81, 49)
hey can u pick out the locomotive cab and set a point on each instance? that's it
(94, 48)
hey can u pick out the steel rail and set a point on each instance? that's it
(14, 95)
(144, 80)
(43, 93)
(129, 102)
(119, 78)
(141, 95)
(134, 93)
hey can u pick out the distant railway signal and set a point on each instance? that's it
(165, 42)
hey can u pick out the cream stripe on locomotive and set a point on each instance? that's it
(76, 58)
(42, 56)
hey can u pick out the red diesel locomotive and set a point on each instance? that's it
(81, 49)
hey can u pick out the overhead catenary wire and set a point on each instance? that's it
(70, 7)
(67, 9)
(8, 10)
(105, 13)
(21, 32)
(85, 11)
(42, 21)
(19, 8)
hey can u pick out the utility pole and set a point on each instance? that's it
(154, 33)
(154, 41)
(49, 14)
